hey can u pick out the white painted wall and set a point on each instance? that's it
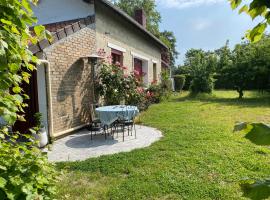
(42, 98)
(50, 11)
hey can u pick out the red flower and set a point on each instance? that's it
(149, 94)
(136, 73)
(140, 90)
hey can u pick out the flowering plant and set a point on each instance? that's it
(115, 84)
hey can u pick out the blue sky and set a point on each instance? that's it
(205, 24)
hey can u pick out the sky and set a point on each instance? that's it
(205, 24)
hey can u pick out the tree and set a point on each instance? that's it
(169, 39)
(149, 6)
(153, 18)
(224, 56)
(261, 63)
(255, 9)
(241, 71)
(201, 66)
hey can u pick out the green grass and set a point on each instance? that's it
(199, 157)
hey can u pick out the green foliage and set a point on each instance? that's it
(242, 70)
(153, 19)
(16, 61)
(154, 93)
(255, 9)
(246, 67)
(168, 38)
(112, 84)
(149, 6)
(115, 85)
(201, 66)
(179, 82)
(165, 84)
(202, 84)
(38, 120)
(25, 172)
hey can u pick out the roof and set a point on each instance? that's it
(133, 21)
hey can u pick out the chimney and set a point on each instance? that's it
(140, 17)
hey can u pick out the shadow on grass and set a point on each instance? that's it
(259, 134)
(259, 101)
(258, 190)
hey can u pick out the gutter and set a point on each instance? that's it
(48, 95)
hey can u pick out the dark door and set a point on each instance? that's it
(32, 91)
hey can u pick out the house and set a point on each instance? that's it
(61, 88)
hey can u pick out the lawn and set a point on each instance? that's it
(199, 157)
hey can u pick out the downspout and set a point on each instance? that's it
(48, 95)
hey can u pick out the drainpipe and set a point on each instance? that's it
(48, 95)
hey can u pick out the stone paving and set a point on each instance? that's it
(79, 146)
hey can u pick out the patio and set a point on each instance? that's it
(79, 146)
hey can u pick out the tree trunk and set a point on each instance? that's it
(240, 92)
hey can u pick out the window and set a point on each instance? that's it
(138, 67)
(117, 57)
(154, 72)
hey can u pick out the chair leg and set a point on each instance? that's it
(105, 132)
(131, 129)
(128, 130)
(135, 131)
(112, 132)
(91, 135)
(123, 132)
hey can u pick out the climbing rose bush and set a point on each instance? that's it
(116, 84)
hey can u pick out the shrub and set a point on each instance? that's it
(202, 84)
(179, 82)
(25, 172)
(115, 85)
(154, 93)
(111, 84)
(166, 84)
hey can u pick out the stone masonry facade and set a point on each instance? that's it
(71, 84)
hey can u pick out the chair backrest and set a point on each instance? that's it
(93, 111)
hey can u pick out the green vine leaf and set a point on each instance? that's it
(3, 182)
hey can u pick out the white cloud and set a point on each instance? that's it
(201, 24)
(186, 3)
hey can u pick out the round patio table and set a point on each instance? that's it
(109, 114)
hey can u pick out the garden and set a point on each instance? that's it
(200, 157)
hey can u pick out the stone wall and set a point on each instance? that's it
(71, 80)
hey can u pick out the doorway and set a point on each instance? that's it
(31, 90)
